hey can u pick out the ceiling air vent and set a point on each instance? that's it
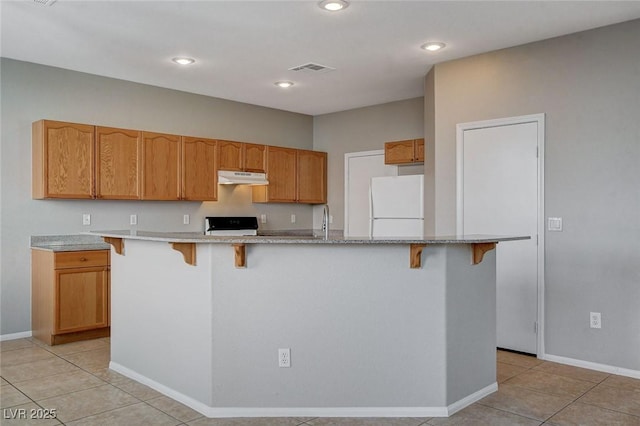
(45, 2)
(312, 68)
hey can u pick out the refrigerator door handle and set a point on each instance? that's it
(370, 210)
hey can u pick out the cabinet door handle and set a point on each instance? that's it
(83, 259)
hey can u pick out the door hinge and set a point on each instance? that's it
(535, 327)
(537, 152)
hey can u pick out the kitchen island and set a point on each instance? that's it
(375, 327)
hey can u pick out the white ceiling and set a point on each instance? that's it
(243, 47)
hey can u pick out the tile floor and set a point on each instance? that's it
(74, 380)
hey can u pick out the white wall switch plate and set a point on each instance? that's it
(263, 218)
(86, 219)
(185, 219)
(133, 219)
(554, 224)
(293, 218)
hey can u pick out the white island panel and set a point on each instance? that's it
(369, 336)
(161, 320)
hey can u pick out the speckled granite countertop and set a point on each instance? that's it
(68, 242)
(279, 238)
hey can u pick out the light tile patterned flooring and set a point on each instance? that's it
(74, 379)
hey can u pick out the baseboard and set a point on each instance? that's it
(328, 412)
(468, 400)
(14, 336)
(184, 399)
(593, 366)
(222, 412)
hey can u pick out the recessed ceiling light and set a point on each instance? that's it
(183, 61)
(284, 84)
(433, 46)
(333, 5)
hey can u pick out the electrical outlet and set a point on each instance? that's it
(133, 219)
(284, 358)
(263, 218)
(330, 219)
(595, 320)
(293, 218)
(185, 219)
(86, 219)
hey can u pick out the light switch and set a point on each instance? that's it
(554, 224)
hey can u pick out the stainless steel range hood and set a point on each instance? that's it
(228, 177)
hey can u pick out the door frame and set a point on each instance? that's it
(539, 119)
(347, 157)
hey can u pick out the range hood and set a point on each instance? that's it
(228, 177)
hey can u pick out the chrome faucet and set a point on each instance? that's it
(325, 221)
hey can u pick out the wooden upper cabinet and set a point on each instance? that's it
(239, 156)
(404, 152)
(295, 176)
(118, 163)
(312, 177)
(160, 166)
(230, 155)
(254, 157)
(281, 165)
(63, 160)
(199, 169)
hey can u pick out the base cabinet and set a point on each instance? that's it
(70, 295)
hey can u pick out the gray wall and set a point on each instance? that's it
(588, 85)
(362, 129)
(31, 92)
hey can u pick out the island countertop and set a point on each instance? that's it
(198, 238)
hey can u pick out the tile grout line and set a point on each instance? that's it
(175, 418)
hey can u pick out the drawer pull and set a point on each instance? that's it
(83, 259)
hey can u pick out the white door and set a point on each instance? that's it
(498, 193)
(397, 197)
(359, 168)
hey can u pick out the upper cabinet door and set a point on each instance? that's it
(281, 173)
(230, 155)
(254, 157)
(160, 166)
(399, 152)
(312, 177)
(118, 163)
(63, 158)
(199, 169)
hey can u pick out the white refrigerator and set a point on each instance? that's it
(397, 207)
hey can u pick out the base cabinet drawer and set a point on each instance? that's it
(81, 259)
